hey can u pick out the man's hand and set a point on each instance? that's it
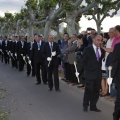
(53, 53)
(30, 62)
(27, 57)
(16, 54)
(23, 57)
(110, 68)
(49, 59)
(12, 54)
(77, 74)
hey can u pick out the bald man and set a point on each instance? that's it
(51, 51)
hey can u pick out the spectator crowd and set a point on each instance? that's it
(43, 59)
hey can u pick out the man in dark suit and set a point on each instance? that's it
(10, 50)
(36, 54)
(2, 54)
(62, 44)
(116, 79)
(21, 50)
(116, 71)
(13, 52)
(1, 46)
(5, 49)
(17, 39)
(51, 51)
(92, 62)
(29, 65)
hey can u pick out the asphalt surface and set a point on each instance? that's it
(27, 101)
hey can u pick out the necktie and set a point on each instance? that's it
(6, 43)
(51, 46)
(38, 46)
(97, 54)
(22, 44)
(31, 46)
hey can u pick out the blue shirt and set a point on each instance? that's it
(63, 44)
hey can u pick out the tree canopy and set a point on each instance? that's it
(48, 14)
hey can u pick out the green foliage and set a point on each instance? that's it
(47, 4)
(103, 7)
(32, 4)
(68, 7)
(3, 114)
(24, 13)
(88, 1)
(2, 19)
(24, 23)
(9, 16)
(65, 30)
(17, 16)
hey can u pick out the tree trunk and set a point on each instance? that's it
(98, 27)
(47, 29)
(18, 28)
(71, 25)
(30, 31)
(58, 32)
(17, 31)
(77, 28)
(98, 23)
(8, 32)
(2, 31)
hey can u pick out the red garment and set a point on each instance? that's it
(115, 41)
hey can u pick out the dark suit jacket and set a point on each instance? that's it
(89, 40)
(92, 67)
(14, 44)
(21, 50)
(29, 49)
(116, 64)
(4, 46)
(47, 52)
(36, 54)
(1, 45)
(10, 45)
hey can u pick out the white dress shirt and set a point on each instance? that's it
(51, 45)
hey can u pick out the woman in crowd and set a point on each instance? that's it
(104, 75)
(81, 44)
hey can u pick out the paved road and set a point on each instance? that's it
(26, 101)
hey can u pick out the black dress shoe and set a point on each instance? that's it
(85, 109)
(38, 83)
(50, 89)
(80, 86)
(63, 79)
(28, 75)
(45, 83)
(58, 90)
(66, 80)
(95, 110)
(33, 75)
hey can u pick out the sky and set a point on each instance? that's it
(13, 6)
